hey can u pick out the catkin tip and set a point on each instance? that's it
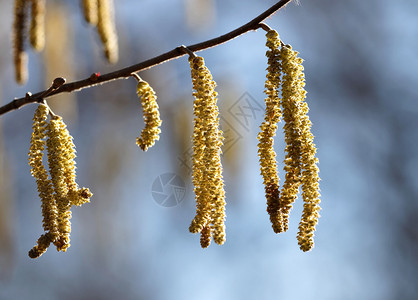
(42, 245)
(205, 237)
(90, 11)
(21, 67)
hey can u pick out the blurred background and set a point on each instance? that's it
(132, 240)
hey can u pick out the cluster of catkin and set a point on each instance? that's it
(207, 167)
(36, 33)
(285, 100)
(207, 143)
(58, 190)
(100, 13)
(285, 75)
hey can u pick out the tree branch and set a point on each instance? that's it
(126, 72)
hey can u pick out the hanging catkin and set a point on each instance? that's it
(20, 57)
(300, 163)
(37, 25)
(266, 153)
(45, 189)
(56, 162)
(285, 75)
(107, 30)
(151, 131)
(293, 95)
(61, 191)
(207, 168)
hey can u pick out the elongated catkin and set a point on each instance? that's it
(266, 153)
(20, 57)
(207, 167)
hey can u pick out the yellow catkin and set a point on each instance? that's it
(37, 25)
(57, 153)
(107, 30)
(151, 131)
(45, 189)
(207, 167)
(267, 155)
(76, 196)
(293, 94)
(300, 163)
(90, 11)
(61, 155)
(20, 57)
(60, 192)
(310, 185)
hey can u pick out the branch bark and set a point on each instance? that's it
(126, 72)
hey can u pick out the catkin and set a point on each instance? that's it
(285, 74)
(293, 95)
(76, 196)
(300, 163)
(61, 191)
(61, 155)
(310, 185)
(267, 155)
(38, 170)
(45, 189)
(207, 168)
(107, 30)
(37, 25)
(57, 166)
(152, 120)
(20, 57)
(90, 11)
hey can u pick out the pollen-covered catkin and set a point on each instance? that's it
(152, 120)
(107, 30)
(266, 153)
(310, 184)
(57, 166)
(90, 11)
(300, 163)
(207, 167)
(76, 196)
(20, 57)
(60, 192)
(37, 25)
(293, 94)
(45, 190)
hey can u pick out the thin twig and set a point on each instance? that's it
(188, 51)
(265, 27)
(136, 76)
(126, 72)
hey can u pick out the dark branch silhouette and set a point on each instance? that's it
(124, 73)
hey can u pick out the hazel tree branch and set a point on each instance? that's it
(124, 73)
